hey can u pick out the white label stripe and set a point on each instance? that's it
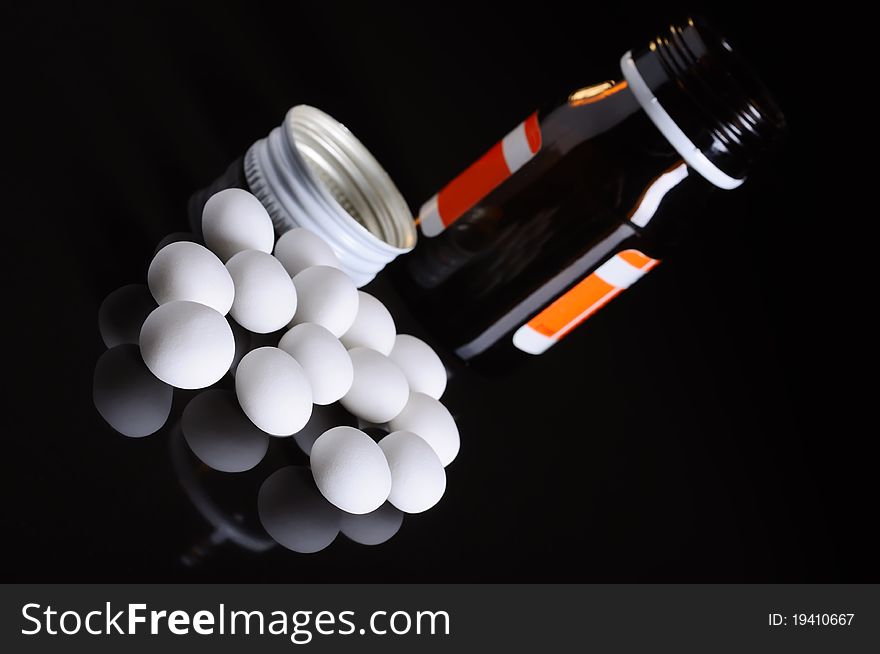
(429, 218)
(531, 341)
(515, 147)
(619, 272)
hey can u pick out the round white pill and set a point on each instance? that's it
(424, 370)
(234, 220)
(265, 298)
(425, 416)
(373, 326)
(189, 271)
(418, 479)
(273, 391)
(372, 528)
(294, 514)
(220, 435)
(350, 470)
(127, 395)
(379, 390)
(328, 297)
(299, 249)
(187, 344)
(323, 357)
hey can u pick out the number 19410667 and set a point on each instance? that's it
(811, 619)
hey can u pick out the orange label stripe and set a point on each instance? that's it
(582, 300)
(559, 318)
(481, 177)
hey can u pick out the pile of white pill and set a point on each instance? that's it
(340, 344)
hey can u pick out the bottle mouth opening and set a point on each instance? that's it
(351, 175)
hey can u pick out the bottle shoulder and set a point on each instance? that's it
(578, 119)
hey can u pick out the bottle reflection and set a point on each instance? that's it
(224, 501)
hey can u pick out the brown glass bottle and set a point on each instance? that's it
(582, 199)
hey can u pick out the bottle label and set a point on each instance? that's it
(482, 177)
(582, 301)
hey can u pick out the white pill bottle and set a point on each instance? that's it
(312, 172)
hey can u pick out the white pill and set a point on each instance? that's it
(323, 357)
(220, 435)
(299, 249)
(350, 470)
(265, 298)
(189, 271)
(372, 528)
(424, 370)
(425, 416)
(373, 326)
(187, 344)
(379, 390)
(418, 479)
(328, 297)
(273, 391)
(234, 220)
(293, 512)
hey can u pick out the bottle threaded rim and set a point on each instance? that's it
(712, 94)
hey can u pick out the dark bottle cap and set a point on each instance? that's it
(706, 101)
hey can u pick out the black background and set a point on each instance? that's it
(704, 427)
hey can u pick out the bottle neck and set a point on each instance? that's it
(614, 122)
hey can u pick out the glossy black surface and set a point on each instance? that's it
(705, 427)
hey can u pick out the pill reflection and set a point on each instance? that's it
(122, 313)
(372, 528)
(176, 237)
(294, 513)
(220, 435)
(127, 395)
(322, 419)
